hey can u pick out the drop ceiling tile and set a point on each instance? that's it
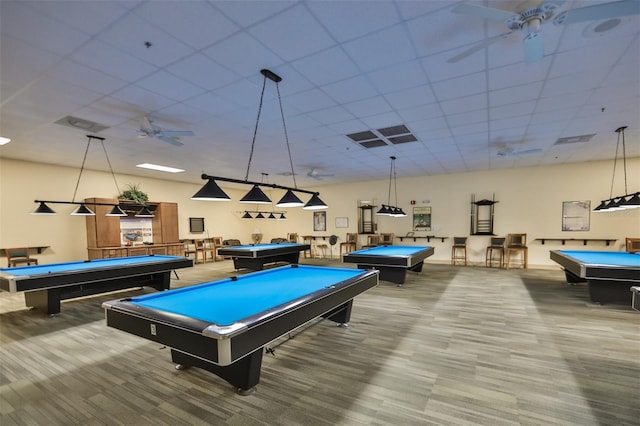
(368, 107)
(512, 110)
(276, 33)
(24, 23)
(170, 86)
(349, 20)
(82, 76)
(398, 77)
(421, 112)
(412, 97)
(310, 100)
(331, 115)
(143, 99)
(249, 12)
(232, 54)
(315, 68)
(100, 56)
(350, 90)
(467, 103)
(525, 92)
(180, 20)
(391, 44)
(22, 63)
(88, 17)
(516, 75)
(130, 35)
(204, 72)
(460, 86)
(569, 101)
(381, 120)
(573, 83)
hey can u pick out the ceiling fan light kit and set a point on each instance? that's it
(531, 18)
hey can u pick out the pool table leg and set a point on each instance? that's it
(341, 314)
(46, 300)
(392, 274)
(244, 374)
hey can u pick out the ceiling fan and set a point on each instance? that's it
(313, 173)
(531, 14)
(148, 129)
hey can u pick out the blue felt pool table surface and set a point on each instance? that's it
(84, 265)
(390, 250)
(604, 258)
(230, 300)
(261, 247)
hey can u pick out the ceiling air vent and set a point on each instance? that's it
(574, 139)
(383, 137)
(81, 123)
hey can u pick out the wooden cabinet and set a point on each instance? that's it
(103, 232)
(165, 223)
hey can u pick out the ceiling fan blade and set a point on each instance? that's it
(171, 133)
(171, 141)
(145, 124)
(482, 45)
(533, 48)
(599, 12)
(482, 12)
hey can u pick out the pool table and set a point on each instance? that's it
(223, 326)
(254, 256)
(393, 262)
(609, 274)
(44, 286)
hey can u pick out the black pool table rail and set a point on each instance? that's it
(234, 353)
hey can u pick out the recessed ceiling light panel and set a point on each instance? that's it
(159, 168)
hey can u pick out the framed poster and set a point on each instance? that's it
(575, 215)
(342, 222)
(422, 218)
(319, 221)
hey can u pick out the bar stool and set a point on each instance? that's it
(496, 246)
(459, 250)
(517, 244)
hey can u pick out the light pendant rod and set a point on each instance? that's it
(86, 151)
(248, 182)
(620, 202)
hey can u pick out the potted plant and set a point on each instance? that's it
(134, 193)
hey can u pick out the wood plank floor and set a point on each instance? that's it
(454, 346)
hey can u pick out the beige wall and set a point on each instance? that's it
(529, 201)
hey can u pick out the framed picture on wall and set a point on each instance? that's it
(319, 221)
(342, 222)
(575, 215)
(422, 218)
(196, 225)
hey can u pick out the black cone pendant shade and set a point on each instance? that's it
(290, 200)
(315, 203)
(83, 210)
(116, 211)
(43, 209)
(211, 192)
(145, 212)
(255, 195)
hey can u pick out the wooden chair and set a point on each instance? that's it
(308, 239)
(292, 237)
(322, 247)
(495, 246)
(372, 241)
(190, 249)
(208, 249)
(517, 244)
(386, 238)
(459, 250)
(632, 245)
(217, 243)
(19, 256)
(351, 244)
